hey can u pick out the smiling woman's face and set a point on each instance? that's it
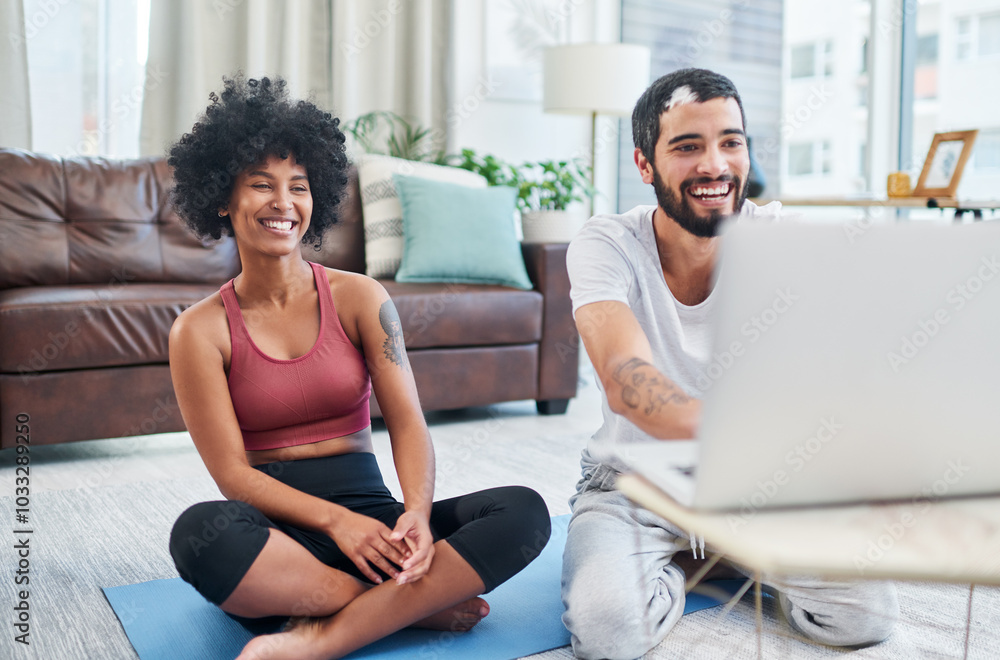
(271, 205)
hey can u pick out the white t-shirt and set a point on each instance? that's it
(614, 258)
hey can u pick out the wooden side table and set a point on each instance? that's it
(946, 540)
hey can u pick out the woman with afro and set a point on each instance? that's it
(273, 376)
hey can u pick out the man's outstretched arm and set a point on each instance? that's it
(622, 357)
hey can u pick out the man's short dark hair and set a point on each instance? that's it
(703, 84)
(248, 122)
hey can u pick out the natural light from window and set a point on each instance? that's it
(828, 93)
(86, 69)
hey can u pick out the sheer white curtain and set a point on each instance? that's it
(392, 55)
(349, 56)
(193, 44)
(15, 102)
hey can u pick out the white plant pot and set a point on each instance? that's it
(550, 226)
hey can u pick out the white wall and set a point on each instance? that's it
(482, 117)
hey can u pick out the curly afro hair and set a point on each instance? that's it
(251, 121)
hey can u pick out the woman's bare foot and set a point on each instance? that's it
(458, 618)
(298, 640)
(301, 637)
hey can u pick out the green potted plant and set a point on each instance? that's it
(401, 138)
(546, 191)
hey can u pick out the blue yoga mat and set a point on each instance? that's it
(168, 619)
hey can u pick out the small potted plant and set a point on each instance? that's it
(400, 137)
(546, 190)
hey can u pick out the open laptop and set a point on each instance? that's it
(848, 365)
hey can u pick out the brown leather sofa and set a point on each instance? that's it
(95, 266)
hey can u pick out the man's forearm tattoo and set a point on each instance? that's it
(393, 346)
(644, 389)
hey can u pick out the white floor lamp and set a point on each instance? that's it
(594, 79)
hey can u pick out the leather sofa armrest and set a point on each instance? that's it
(558, 360)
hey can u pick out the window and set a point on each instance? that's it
(800, 159)
(977, 36)
(822, 147)
(742, 40)
(927, 49)
(808, 158)
(86, 72)
(803, 61)
(925, 73)
(989, 35)
(986, 152)
(962, 84)
(963, 38)
(828, 58)
(811, 60)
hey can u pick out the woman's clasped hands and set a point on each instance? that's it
(403, 553)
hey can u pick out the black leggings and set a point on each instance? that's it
(497, 531)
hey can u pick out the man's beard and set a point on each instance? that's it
(684, 215)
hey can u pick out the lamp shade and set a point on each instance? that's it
(604, 78)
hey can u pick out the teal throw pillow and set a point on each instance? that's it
(453, 233)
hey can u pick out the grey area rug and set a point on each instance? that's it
(85, 539)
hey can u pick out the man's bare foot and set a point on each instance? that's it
(299, 640)
(458, 618)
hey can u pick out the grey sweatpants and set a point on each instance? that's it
(623, 593)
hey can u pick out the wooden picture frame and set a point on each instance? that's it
(944, 164)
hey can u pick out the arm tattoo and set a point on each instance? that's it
(645, 390)
(393, 346)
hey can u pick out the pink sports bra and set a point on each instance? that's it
(283, 403)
